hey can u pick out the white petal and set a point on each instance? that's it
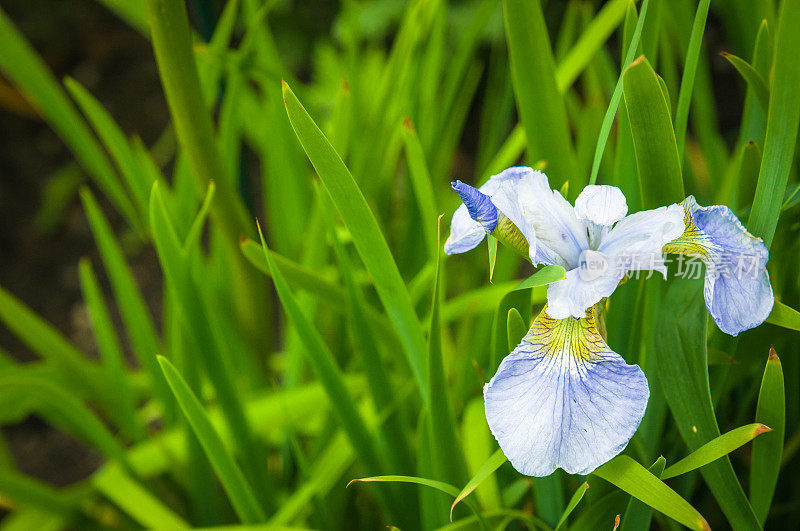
(636, 242)
(547, 220)
(465, 233)
(564, 399)
(583, 288)
(601, 204)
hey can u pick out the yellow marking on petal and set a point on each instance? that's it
(580, 339)
(509, 235)
(693, 241)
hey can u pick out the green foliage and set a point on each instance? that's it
(341, 343)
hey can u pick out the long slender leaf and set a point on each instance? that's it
(782, 122)
(537, 95)
(633, 478)
(680, 347)
(25, 68)
(230, 475)
(487, 469)
(321, 359)
(713, 450)
(638, 515)
(689, 70)
(653, 137)
(752, 77)
(768, 450)
(573, 502)
(367, 236)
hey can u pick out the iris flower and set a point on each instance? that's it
(563, 398)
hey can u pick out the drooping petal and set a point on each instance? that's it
(548, 221)
(564, 399)
(585, 286)
(737, 290)
(465, 232)
(636, 242)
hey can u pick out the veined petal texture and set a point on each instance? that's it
(564, 399)
(737, 290)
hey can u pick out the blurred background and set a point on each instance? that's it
(44, 232)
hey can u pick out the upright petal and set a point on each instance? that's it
(601, 204)
(737, 290)
(465, 232)
(479, 205)
(548, 221)
(564, 399)
(636, 242)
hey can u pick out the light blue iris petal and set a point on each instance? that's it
(636, 242)
(564, 399)
(554, 233)
(466, 233)
(737, 290)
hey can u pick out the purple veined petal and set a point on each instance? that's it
(465, 232)
(737, 290)
(564, 399)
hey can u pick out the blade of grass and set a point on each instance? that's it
(573, 502)
(478, 443)
(204, 337)
(602, 25)
(782, 123)
(63, 409)
(322, 361)
(395, 429)
(132, 308)
(608, 119)
(367, 236)
(689, 70)
(633, 478)
(48, 343)
(713, 450)
(115, 142)
(752, 78)
(172, 44)
(141, 504)
(421, 182)
(515, 328)
(638, 515)
(653, 138)
(539, 101)
(122, 406)
(487, 469)
(768, 450)
(681, 352)
(230, 475)
(785, 316)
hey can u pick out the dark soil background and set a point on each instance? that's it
(78, 38)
